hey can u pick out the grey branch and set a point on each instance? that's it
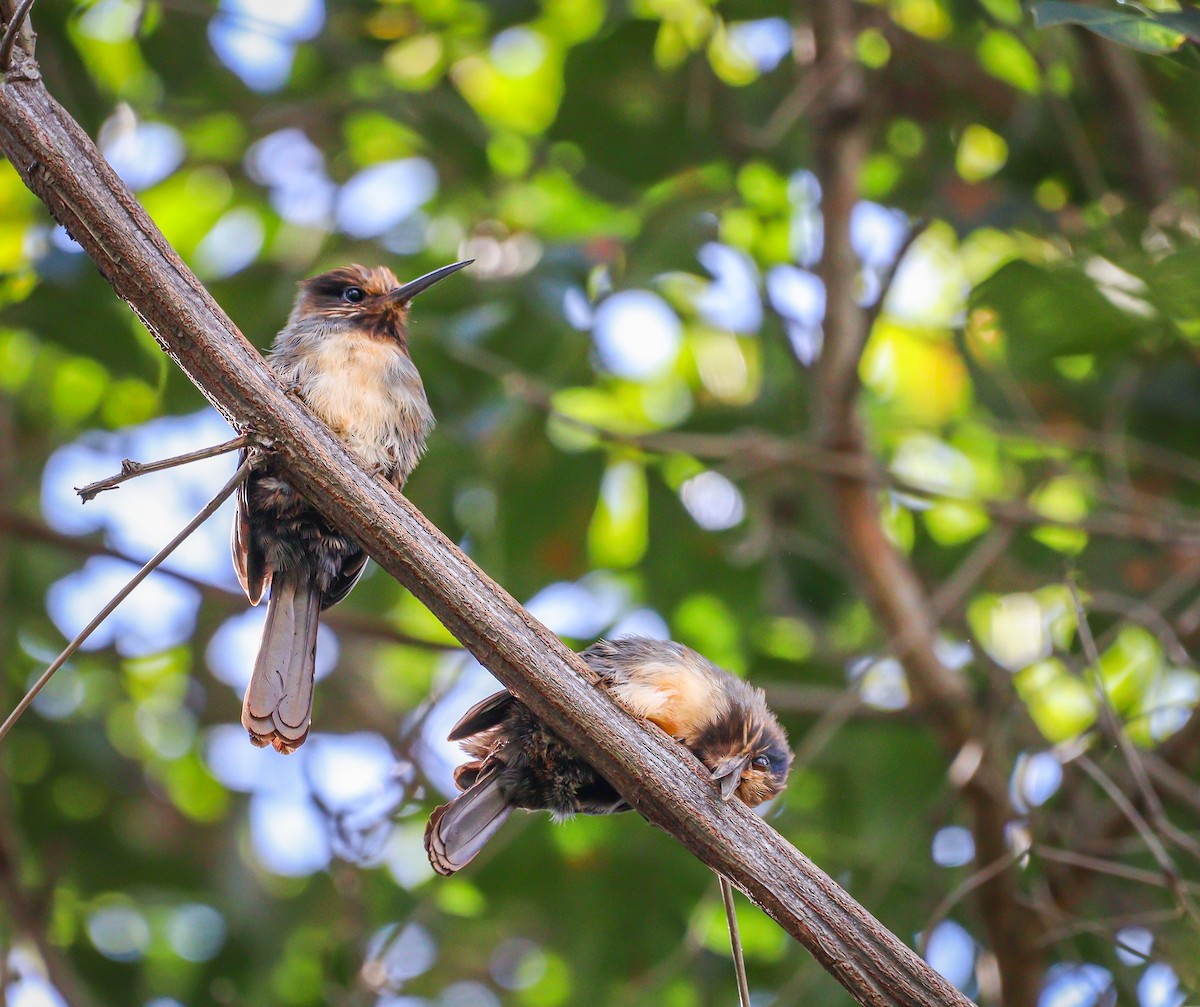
(131, 469)
(735, 943)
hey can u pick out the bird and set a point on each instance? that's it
(518, 762)
(343, 352)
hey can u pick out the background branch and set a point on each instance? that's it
(892, 586)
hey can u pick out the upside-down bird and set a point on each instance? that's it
(344, 352)
(520, 763)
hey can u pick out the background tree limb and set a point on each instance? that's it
(891, 585)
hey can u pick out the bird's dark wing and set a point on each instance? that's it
(467, 774)
(485, 714)
(352, 569)
(248, 558)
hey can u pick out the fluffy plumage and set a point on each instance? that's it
(344, 351)
(517, 762)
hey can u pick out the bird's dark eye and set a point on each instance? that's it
(761, 761)
(353, 294)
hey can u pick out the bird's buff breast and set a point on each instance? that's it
(677, 697)
(368, 392)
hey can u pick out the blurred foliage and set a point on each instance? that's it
(635, 183)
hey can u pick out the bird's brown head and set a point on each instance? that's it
(372, 299)
(746, 749)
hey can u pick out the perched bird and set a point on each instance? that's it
(344, 351)
(519, 763)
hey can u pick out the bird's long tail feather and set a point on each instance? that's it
(459, 830)
(277, 709)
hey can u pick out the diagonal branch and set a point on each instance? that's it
(892, 586)
(60, 164)
(207, 511)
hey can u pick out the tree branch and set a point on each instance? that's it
(61, 165)
(892, 586)
(131, 469)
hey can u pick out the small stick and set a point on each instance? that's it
(206, 512)
(11, 32)
(131, 469)
(735, 942)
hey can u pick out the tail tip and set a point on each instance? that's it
(273, 739)
(434, 848)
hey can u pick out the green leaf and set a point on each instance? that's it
(1046, 313)
(1185, 21)
(1142, 33)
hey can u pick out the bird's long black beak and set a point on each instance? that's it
(728, 774)
(404, 294)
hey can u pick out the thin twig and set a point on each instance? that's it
(965, 888)
(1113, 868)
(794, 104)
(735, 942)
(1154, 844)
(11, 31)
(871, 314)
(131, 469)
(951, 593)
(1111, 927)
(205, 513)
(1133, 758)
(1144, 614)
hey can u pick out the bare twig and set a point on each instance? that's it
(968, 885)
(871, 315)
(205, 513)
(1144, 614)
(1129, 751)
(131, 469)
(11, 32)
(1172, 782)
(735, 942)
(795, 103)
(1113, 868)
(1111, 925)
(1129, 105)
(1154, 844)
(951, 593)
